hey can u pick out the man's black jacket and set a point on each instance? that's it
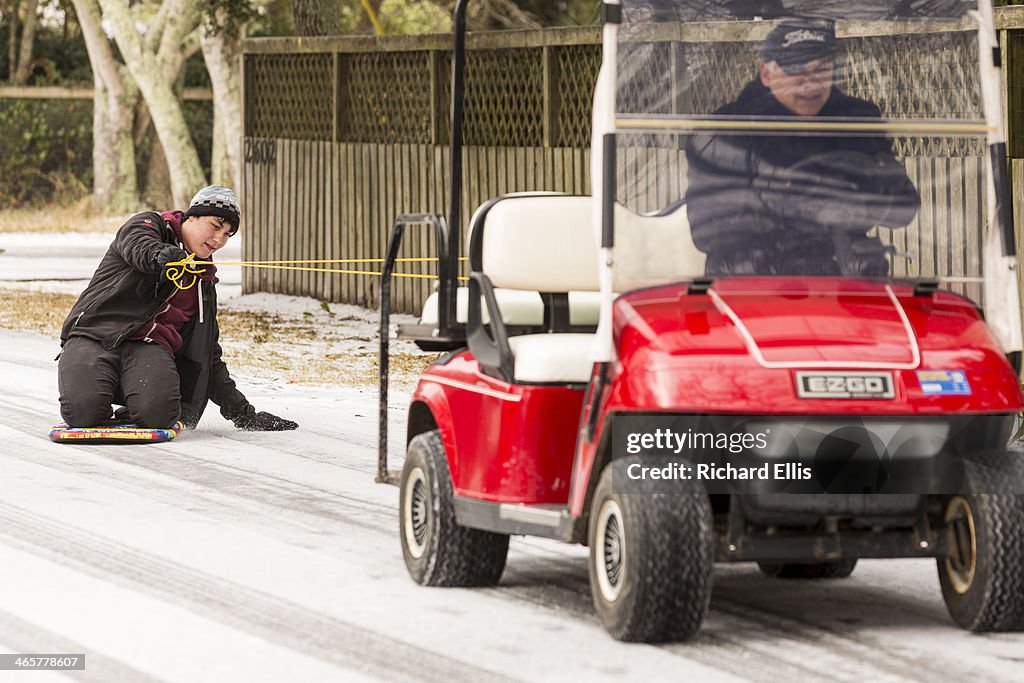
(753, 200)
(127, 290)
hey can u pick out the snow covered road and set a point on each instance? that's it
(232, 556)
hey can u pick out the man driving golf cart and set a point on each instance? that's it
(777, 204)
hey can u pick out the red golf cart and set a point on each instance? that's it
(609, 383)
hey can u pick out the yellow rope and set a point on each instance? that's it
(176, 270)
(409, 259)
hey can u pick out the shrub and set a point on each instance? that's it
(46, 150)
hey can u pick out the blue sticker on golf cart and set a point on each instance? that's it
(944, 382)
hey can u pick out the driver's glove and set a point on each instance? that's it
(864, 256)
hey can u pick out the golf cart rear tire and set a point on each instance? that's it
(437, 551)
(651, 558)
(834, 569)
(984, 585)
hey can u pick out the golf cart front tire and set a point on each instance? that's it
(651, 558)
(437, 550)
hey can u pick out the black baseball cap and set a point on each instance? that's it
(795, 42)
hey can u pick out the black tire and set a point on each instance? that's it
(834, 569)
(651, 557)
(437, 551)
(983, 582)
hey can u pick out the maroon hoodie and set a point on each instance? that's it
(165, 327)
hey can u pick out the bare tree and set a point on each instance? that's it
(316, 17)
(173, 39)
(178, 19)
(28, 39)
(12, 38)
(220, 38)
(114, 99)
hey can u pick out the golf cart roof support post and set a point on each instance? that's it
(602, 176)
(1002, 298)
(990, 63)
(608, 192)
(447, 287)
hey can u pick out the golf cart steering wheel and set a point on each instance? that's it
(842, 189)
(842, 194)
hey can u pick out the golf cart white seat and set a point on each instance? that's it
(518, 307)
(546, 243)
(552, 358)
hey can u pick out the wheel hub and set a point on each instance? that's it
(962, 563)
(417, 513)
(610, 550)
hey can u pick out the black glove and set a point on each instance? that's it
(252, 421)
(861, 255)
(169, 254)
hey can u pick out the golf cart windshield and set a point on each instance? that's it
(837, 138)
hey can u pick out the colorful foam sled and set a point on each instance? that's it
(113, 433)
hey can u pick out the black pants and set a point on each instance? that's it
(138, 375)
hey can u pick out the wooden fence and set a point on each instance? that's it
(298, 203)
(344, 134)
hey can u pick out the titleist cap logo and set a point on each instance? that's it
(803, 36)
(794, 43)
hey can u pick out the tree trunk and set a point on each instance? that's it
(316, 17)
(182, 159)
(220, 167)
(156, 186)
(12, 41)
(222, 55)
(28, 39)
(115, 186)
(113, 157)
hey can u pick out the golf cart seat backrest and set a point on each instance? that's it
(546, 243)
(536, 243)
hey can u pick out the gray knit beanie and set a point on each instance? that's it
(216, 201)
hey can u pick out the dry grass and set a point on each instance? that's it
(41, 312)
(312, 350)
(301, 351)
(76, 217)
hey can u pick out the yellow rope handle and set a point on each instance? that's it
(176, 271)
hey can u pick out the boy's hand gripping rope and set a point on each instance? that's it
(176, 271)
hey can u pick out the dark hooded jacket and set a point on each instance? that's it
(775, 204)
(128, 289)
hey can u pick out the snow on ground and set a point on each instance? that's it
(235, 556)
